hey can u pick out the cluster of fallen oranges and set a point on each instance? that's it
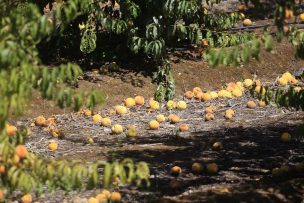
(105, 196)
(288, 15)
(50, 126)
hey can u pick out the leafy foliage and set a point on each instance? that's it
(22, 29)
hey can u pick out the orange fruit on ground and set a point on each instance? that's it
(50, 121)
(11, 130)
(115, 197)
(261, 103)
(174, 118)
(189, 95)
(213, 94)
(282, 81)
(231, 86)
(160, 118)
(132, 132)
(251, 104)
(196, 90)
(210, 109)
(181, 105)
(26, 198)
(102, 198)
(96, 118)
(154, 125)
(212, 168)
(21, 151)
(87, 112)
(197, 168)
(183, 127)
(247, 83)
(209, 117)
(285, 137)
(53, 146)
(242, 7)
(247, 22)
(2, 169)
(40, 121)
(205, 96)
(130, 102)
(106, 122)
(93, 200)
(121, 109)
(117, 129)
(301, 17)
(171, 104)
(107, 193)
(139, 100)
(224, 93)
(229, 113)
(198, 95)
(237, 92)
(153, 104)
(176, 170)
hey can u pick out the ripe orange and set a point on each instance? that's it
(11, 130)
(196, 90)
(261, 103)
(251, 104)
(21, 151)
(153, 104)
(115, 197)
(121, 109)
(107, 193)
(183, 127)
(205, 96)
(247, 22)
(139, 100)
(282, 81)
(176, 170)
(210, 109)
(53, 146)
(96, 118)
(174, 118)
(26, 198)
(117, 129)
(93, 200)
(154, 125)
(130, 102)
(160, 118)
(189, 95)
(197, 168)
(87, 112)
(40, 121)
(106, 122)
(181, 105)
(209, 117)
(102, 198)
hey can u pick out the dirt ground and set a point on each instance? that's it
(252, 147)
(188, 74)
